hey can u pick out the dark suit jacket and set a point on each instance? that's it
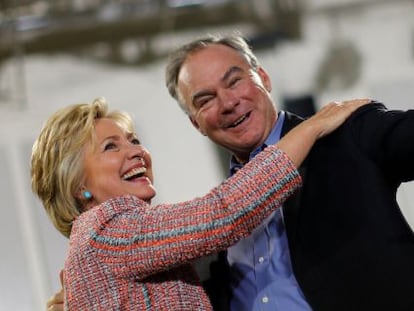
(350, 245)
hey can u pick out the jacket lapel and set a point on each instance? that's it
(291, 206)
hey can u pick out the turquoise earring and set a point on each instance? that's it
(87, 195)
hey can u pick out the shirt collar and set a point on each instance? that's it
(273, 138)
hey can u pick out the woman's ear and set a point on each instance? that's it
(85, 198)
(78, 195)
(83, 194)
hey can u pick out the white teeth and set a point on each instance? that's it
(238, 121)
(135, 171)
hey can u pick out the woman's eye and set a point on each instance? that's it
(135, 141)
(110, 146)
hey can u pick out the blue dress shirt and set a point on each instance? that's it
(260, 267)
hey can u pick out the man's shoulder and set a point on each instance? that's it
(366, 111)
(291, 120)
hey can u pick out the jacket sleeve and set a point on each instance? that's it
(387, 137)
(135, 239)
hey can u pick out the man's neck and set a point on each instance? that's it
(244, 157)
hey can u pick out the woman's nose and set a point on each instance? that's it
(136, 151)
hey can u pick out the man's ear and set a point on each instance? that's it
(195, 124)
(265, 79)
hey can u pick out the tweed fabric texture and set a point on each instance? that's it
(125, 254)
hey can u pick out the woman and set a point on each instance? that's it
(95, 181)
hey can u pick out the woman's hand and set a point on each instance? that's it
(333, 115)
(298, 142)
(55, 302)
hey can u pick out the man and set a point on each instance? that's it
(342, 242)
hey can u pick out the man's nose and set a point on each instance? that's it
(228, 101)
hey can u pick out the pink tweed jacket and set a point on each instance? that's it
(127, 255)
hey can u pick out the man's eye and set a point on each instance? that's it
(234, 81)
(203, 101)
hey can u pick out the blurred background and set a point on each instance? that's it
(59, 52)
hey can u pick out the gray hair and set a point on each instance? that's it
(178, 57)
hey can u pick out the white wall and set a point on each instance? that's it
(185, 162)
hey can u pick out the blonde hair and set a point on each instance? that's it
(57, 158)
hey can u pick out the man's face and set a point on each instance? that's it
(228, 101)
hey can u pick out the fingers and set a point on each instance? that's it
(61, 277)
(347, 105)
(354, 104)
(55, 302)
(346, 108)
(56, 308)
(334, 114)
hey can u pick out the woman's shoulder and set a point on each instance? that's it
(95, 218)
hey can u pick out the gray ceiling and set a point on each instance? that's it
(34, 26)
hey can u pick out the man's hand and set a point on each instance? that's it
(55, 302)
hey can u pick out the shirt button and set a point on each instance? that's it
(261, 259)
(265, 299)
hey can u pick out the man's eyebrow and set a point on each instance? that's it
(226, 75)
(229, 72)
(200, 94)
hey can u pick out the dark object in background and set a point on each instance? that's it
(303, 106)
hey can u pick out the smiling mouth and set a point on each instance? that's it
(239, 120)
(135, 173)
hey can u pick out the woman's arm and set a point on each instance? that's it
(133, 238)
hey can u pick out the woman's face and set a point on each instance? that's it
(118, 165)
